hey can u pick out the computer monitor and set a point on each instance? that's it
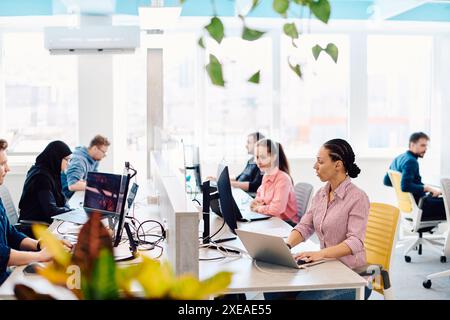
(121, 205)
(228, 207)
(102, 192)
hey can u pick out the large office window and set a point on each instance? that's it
(399, 88)
(131, 94)
(315, 108)
(40, 94)
(181, 113)
(241, 107)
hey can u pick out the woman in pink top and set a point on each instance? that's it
(338, 214)
(276, 195)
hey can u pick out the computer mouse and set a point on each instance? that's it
(300, 262)
(32, 268)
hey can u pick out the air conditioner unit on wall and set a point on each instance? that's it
(92, 39)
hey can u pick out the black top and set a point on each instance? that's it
(251, 174)
(408, 165)
(10, 238)
(42, 195)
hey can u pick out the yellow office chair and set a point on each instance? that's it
(379, 242)
(412, 220)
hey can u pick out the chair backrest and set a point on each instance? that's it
(8, 203)
(405, 200)
(303, 192)
(380, 235)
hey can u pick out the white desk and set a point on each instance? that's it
(248, 276)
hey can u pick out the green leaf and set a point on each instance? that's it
(281, 6)
(216, 29)
(254, 5)
(251, 34)
(255, 78)
(290, 29)
(103, 285)
(302, 2)
(182, 1)
(332, 51)
(214, 69)
(201, 43)
(297, 69)
(321, 9)
(316, 50)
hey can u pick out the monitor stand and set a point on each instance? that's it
(118, 252)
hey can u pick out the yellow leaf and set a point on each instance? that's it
(156, 279)
(52, 244)
(185, 288)
(216, 284)
(56, 276)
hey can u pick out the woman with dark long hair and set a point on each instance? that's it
(42, 195)
(338, 215)
(276, 195)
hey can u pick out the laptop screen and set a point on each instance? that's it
(102, 192)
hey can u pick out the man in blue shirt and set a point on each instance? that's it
(15, 247)
(407, 163)
(83, 160)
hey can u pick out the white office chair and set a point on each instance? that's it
(445, 183)
(412, 221)
(303, 192)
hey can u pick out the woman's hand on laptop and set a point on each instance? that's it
(255, 204)
(310, 256)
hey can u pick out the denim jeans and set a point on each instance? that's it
(341, 294)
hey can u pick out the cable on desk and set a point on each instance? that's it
(215, 233)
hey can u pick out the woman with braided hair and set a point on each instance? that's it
(338, 215)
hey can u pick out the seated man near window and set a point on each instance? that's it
(408, 165)
(83, 160)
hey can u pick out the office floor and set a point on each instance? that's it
(407, 278)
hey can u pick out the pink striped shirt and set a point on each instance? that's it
(277, 193)
(344, 219)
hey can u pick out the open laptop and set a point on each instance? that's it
(271, 249)
(101, 195)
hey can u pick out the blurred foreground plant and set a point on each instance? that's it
(92, 273)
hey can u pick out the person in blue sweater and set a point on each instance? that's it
(83, 160)
(15, 247)
(427, 197)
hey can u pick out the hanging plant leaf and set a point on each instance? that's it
(321, 9)
(297, 69)
(290, 29)
(332, 51)
(216, 29)
(255, 3)
(251, 34)
(255, 78)
(201, 43)
(214, 69)
(281, 6)
(316, 50)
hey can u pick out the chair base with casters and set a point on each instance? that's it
(430, 243)
(445, 183)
